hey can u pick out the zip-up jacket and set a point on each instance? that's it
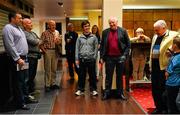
(86, 47)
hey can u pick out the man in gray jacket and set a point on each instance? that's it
(86, 54)
(33, 54)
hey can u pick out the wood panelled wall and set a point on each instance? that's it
(132, 19)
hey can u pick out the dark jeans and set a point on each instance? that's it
(172, 92)
(18, 81)
(110, 64)
(158, 88)
(89, 65)
(71, 61)
(33, 62)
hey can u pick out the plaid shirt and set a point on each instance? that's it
(48, 39)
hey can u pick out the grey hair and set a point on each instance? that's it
(69, 24)
(160, 23)
(113, 18)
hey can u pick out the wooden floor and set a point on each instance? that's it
(67, 103)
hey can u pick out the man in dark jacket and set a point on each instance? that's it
(115, 47)
(70, 39)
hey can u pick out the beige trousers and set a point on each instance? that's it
(138, 67)
(50, 67)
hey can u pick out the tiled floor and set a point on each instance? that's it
(46, 99)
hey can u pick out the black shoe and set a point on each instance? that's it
(121, 96)
(54, 87)
(47, 89)
(105, 97)
(156, 111)
(24, 107)
(31, 101)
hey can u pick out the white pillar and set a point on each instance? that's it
(112, 8)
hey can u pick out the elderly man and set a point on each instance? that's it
(115, 47)
(33, 54)
(50, 38)
(70, 40)
(161, 41)
(139, 54)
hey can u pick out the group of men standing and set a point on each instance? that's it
(23, 49)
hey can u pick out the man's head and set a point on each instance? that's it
(176, 43)
(139, 31)
(27, 24)
(160, 27)
(86, 27)
(70, 27)
(15, 18)
(113, 23)
(52, 25)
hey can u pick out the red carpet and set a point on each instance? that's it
(143, 96)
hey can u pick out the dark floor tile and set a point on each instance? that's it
(42, 111)
(25, 111)
(43, 106)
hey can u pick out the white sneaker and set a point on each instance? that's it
(94, 93)
(79, 92)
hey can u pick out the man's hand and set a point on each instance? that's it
(101, 61)
(20, 62)
(77, 62)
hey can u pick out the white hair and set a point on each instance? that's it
(139, 30)
(160, 23)
(113, 19)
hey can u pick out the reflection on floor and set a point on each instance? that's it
(46, 99)
(64, 101)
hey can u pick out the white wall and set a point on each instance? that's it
(39, 27)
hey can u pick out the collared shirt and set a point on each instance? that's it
(48, 38)
(15, 42)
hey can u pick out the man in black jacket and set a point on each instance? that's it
(115, 47)
(70, 39)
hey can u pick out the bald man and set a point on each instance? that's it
(50, 38)
(162, 40)
(115, 48)
(33, 53)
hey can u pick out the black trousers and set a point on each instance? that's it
(71, 61)
(172, 92)
(18, 83)
(158, 88)
(110, 64)
(33, 62)
(85, 65)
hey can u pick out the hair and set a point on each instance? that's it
(84, 23)
(97, 33)
(139, 30)
(113, 18)
(160, 23)
(12, 15)
(69, 24)
(176, 41)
